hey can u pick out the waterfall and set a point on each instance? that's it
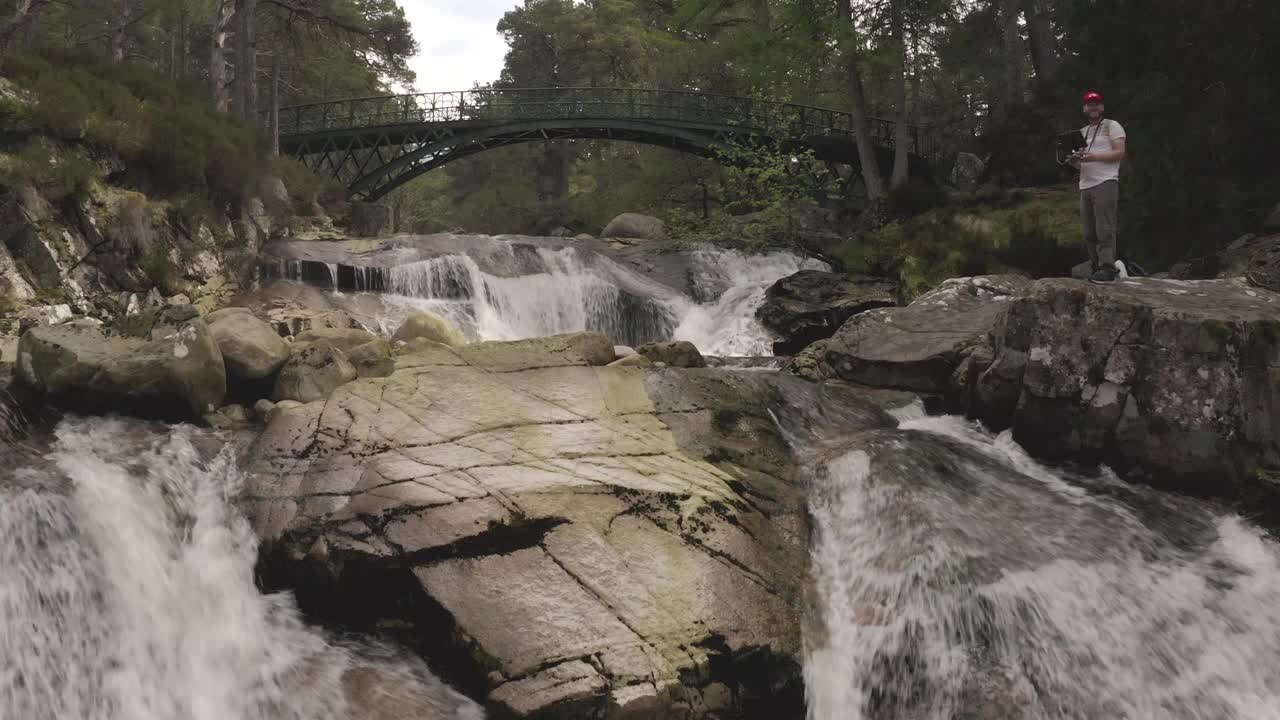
(957, 577)
(732, 287)
(502, 290)
(551, 292)
(130, 596)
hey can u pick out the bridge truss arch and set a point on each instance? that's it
(374, 145)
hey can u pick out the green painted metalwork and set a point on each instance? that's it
(373, 145)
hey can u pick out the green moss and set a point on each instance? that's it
(51, 296)
(1035, 232)
(159, 268)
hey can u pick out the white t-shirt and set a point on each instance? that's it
(1100, 139)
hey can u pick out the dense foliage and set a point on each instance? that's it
(996, 77)
(1195, 83)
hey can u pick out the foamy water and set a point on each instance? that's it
(131, 597)
(957, 577)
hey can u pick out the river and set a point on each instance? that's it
(953, 575)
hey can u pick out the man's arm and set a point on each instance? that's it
(1106, 155)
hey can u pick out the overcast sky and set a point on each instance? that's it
(458, 41)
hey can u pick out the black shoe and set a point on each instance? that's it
(1104, 275)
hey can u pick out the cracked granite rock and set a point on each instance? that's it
(918, 347)
(1179, 380)
(569, 540)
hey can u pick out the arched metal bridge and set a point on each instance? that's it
(374, 145)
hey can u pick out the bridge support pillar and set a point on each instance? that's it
(370, 219)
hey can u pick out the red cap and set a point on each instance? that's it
(1092, 97)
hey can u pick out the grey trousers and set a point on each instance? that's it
(1100, 215)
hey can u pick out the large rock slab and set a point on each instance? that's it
(1175, 380)
(918, 347)
(176, 372)
(811, 305)
(251, 349)
(573, 540)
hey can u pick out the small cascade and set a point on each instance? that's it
(730, 287)
(127, 593)
(501, 290)
(957, 577)
(559, 291)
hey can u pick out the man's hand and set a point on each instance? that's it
(1106, 156)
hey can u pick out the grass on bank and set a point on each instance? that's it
(1034, 231)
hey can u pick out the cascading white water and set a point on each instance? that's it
(956, 577)
(568, 290)
(131, 597)
(727, 324)
(556, 291)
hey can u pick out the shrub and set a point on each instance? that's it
(916, 197)
(175, 141)
(57, 175)
(61, 108)
(158, 266)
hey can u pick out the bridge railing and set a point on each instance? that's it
(506, 104)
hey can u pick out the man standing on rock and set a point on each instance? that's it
(1099, 165)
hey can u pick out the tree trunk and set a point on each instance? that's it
(1044, 47)
(1014, 52)
(119, 23)
(901, 133)
(760, 8)
(244, 92)
(275, 103)
(858, 105)
(24, 12)
(184, 32)
(218, 55)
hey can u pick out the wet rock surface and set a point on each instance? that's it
(812, 305)
(174, 370)
(572, 540)
(1174, 380)
(918, 347)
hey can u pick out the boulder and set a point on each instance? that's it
(372, 359)
(918, 347)
(1175, 381)
(968, 171)
(251, 349)
(177, 373)
(1263, 269)
(1232, 261)
(572, 538)
(43, 315)
(634, 360)
(1272, 222)
(635, 225)
(312, 373)
(623, 350)
(293, 319)
(429, 326)
(345, 339)
(811, 305)
(676, 353)
(570, 349)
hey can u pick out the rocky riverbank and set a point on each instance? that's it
(565, 527)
